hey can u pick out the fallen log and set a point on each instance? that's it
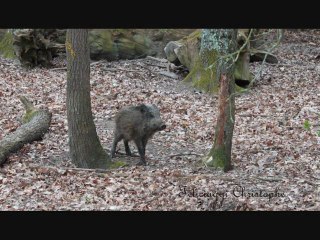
(36, 123)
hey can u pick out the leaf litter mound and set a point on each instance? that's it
(275, 157)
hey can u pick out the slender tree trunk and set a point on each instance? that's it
(223, 42)
(85, 147)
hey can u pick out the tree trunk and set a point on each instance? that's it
(36, 124)
(222, 42)
(85, 147)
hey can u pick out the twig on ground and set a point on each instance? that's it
(145, 67)
(60, 169)
(97, 62)
(290, 65)
(185, 154)
(120, 69)
(169, 74)
(157, 65)
(311, 183)
(48, 160)
(253, 115)
(163, 60)
(269, 179)
(56, 69)
(65, 68)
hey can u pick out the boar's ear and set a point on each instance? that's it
(142, 108)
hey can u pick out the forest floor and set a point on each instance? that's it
(275, 151)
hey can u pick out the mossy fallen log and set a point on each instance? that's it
(36, 123)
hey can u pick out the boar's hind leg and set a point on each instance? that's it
(126, 145)
(141, 150)
(116, 139)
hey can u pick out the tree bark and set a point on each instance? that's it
(223, 42)
(36, 124)
(85, 147)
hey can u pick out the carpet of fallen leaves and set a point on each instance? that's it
(275, 146)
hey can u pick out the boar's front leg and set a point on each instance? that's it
(117, 138)
(126, 145)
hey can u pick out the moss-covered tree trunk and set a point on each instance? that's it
(220, 43)
(203, 72)
(201, 62)
(85, 147)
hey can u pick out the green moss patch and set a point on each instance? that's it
(6, 46)
(117, 164)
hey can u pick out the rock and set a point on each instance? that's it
(160, 38)
(38, 46)
(170, 53)
(184, 51)
(115, 44)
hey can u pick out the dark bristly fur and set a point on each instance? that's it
(137, 123)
